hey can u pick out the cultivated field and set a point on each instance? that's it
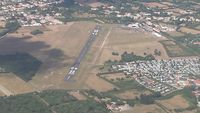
(11, 84)
(145, 109)
(175, 34)
(175, 50)
(177, 102)
(131, 94)
(189, 30)
(96, 83)
(115, 77)
(77, 95)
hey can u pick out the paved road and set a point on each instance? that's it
(74, 68)
(3, 36)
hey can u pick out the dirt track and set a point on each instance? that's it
(5, 91)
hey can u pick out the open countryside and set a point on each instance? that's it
(99, 56)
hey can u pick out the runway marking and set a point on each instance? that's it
(68, 77)
(83, 52)
(102, 45)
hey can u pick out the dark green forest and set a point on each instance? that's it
(49, 101)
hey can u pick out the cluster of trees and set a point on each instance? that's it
(56, 97)
(143, 99)
(69, 2)
(104, 95)
(129, 57)
(59, 100)
(149, 99)
(23, 65)
(115, 53)
(157, 52)
(87, 106)
(36, 32)
(187, 94)
(26, 103)
(3, 32)
(12, 25)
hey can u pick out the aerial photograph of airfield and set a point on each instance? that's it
(100, 56)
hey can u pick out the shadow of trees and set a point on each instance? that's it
(16, 56)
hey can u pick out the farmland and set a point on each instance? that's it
(14, 84)
(175, 50)
(180, 103)
(144, 109)
(189, 30)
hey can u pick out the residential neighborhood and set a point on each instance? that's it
(163, 76)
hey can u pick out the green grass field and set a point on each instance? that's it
(176, 49)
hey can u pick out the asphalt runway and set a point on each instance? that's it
(74, 68)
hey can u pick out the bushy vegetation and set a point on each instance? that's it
(129, 57)
(87, 106)
(115, 53)
(108, 96)
(189, 96)
(36, 32)
(22, 64)
(26, 103)
(56, 97)
(12, 25)
(177, 49)
(149, 99)
(47, 102)
(69, 2)
(190, 40)
(3, 31)
(146, 99)
(157, 52)
(127, 85)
